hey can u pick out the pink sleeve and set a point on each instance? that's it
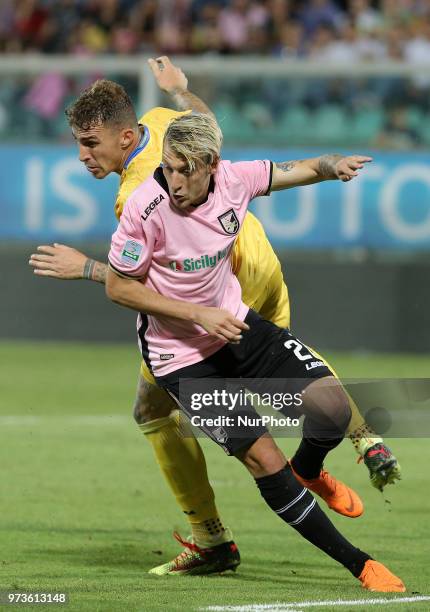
(132, 245)
(256, 175)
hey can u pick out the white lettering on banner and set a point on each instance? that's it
(33, 211)
(75, 196)
(351, 212)
(389, 202)
(288, 229)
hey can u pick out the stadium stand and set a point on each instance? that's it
(326, 31)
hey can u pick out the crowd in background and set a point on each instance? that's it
(388, 112)
(324, 30)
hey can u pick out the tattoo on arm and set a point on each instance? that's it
(188, 101)
(327, 165)
(286, 166)
(100, 272)
(95, 271)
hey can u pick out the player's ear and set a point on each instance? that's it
(214, 165)
(127, 136)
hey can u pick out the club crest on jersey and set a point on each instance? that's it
(229, 222)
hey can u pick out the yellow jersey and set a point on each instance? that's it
(253, 260)
(259, 273)
(143, 161)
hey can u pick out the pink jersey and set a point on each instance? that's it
(185, 255)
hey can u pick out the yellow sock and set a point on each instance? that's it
(361, 434)
(182, 462)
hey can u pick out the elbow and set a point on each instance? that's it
(110, 293)
(111, 289)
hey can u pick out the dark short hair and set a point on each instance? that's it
(104, 102)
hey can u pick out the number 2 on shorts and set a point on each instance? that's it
(289, 344)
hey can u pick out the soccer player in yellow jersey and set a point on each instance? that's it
(134, 152)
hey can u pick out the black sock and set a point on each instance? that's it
(295, 505)
(309, 457)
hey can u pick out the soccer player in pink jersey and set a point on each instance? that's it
(169, 260)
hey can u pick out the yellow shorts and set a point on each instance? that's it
(324, 360)
(146, 374)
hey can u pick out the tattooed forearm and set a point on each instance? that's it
(95, 271)
(327, 165)
(286, 166)
(186, 100)
(100, 272)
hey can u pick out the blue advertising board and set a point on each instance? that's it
(47, 195)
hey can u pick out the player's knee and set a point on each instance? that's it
(328, 404)
(141, 412)
(340, 410)
(336, 406)
(151, 403)
(144, 411)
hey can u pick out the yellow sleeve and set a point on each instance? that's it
(158, 118)
(126, 188)
(143, 165)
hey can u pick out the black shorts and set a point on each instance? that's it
(266, 354)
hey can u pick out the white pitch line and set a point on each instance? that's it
(294, 606)
(82, 419)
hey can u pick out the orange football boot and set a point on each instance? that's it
(335, 493)
(376, 577)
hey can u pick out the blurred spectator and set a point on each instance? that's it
(317, 13)
(291, 40)
(323, 37)
(7, 17)
(143, 17)
(367, 22)
(280, 14)
(417, 45)
(417, 51)
(124, 39)
(337, 47)
(30, 19)
(242, 22)
(371, 48)
(206, 34)
(173, 26)
(89, 38)
(395, 12)
(365, 17)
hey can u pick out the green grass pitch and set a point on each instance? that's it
(84, 508)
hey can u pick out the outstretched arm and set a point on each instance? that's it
(133, 294)
(316, 169)
(65, 263)
(173, 81)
